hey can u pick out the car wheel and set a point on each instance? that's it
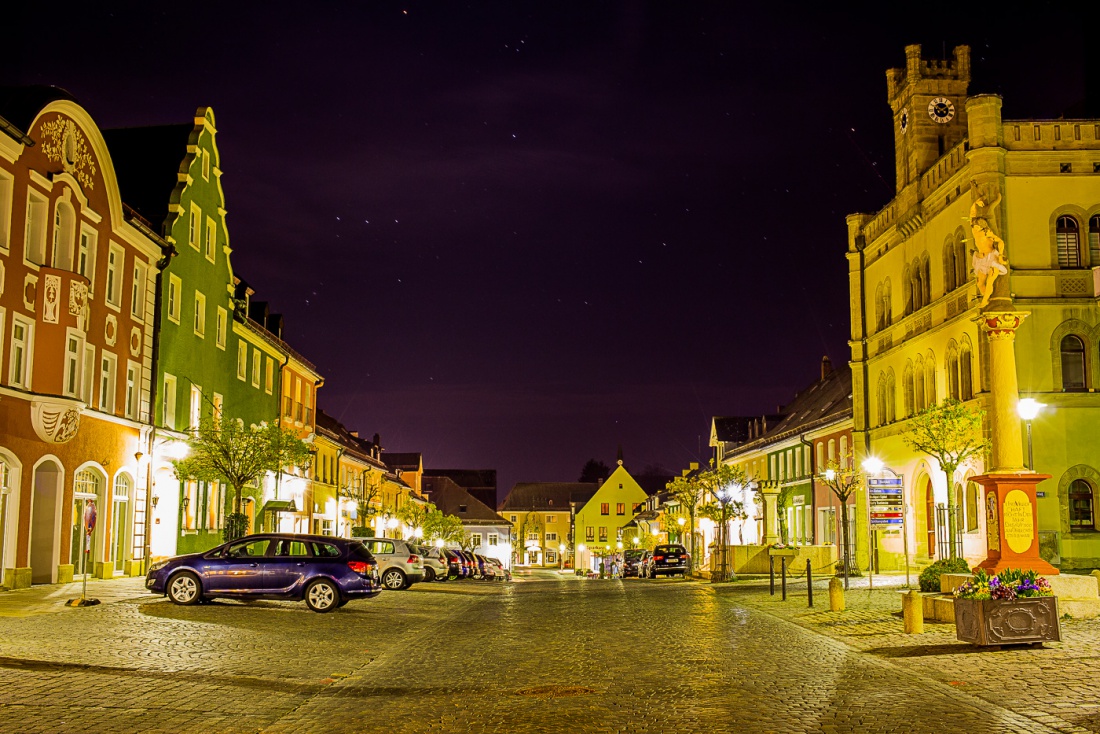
(322, 596)
(394, 579)
(184, 588)
(429, 573)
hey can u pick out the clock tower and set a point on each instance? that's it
(928, 101)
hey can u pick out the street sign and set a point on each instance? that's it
(886, 495)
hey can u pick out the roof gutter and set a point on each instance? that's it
(15, 133)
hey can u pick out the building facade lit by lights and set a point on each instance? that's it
(915, 302)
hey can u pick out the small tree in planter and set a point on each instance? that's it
(843, 479)
(951, 433)
(226, 451)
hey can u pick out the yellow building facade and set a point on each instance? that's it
(915, 305)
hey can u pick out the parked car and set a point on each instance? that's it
(634, 562)
(400, 566)
(325, 572)
(668, 560)
(456, 565)
(502, 573)
(473, 568)
(488, 570)
(435, 563)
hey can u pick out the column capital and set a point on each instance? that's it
(1002, 324)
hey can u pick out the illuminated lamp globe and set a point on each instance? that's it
(1028, 408)
(830, 475)
(873, 464)
(680, 521)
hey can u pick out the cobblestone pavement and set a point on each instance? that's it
(544, 655)
(1057, 684)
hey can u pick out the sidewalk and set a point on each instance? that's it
(51, 598)
(1055, 684)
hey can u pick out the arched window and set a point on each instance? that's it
(1073, 364)
(962, 264)
(1069, 242)
(972, 495)
(917, 287)
(1094, 240)
(832, 449)
(960, 506)
(908, 387)
(821, 456)
(1081, 515)
(887, 303)
(926, 280)
(949, 283)
(64, 236)
(952, 371)
(966, 374)
(880, 318)
(930, 380)
(918, 385)
(891, 397)
(907, 289)
(881, 398)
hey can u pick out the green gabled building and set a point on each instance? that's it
(208, 357)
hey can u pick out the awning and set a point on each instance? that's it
(279, 506)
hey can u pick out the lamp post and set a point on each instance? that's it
(580, 549)
(1029, 408)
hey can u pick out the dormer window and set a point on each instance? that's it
(462, 508)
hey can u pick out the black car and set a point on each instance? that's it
(456, 565)
(634, 563)
(668, 560)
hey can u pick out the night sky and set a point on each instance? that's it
(517, 235)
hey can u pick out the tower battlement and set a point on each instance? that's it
(917, 68)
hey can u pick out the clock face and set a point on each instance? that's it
(904, 120)
(941, 110)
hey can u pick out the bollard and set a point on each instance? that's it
(836, 595)
(912, 612)
(771, 575)
(783, 575)
(809, 583)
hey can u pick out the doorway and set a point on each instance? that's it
(45, 522)
(83, 551)
(120, 538)
(930, 516)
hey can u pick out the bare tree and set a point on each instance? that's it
(844, 479)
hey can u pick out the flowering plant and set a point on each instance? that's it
(1011, 583)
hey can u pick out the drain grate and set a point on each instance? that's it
(555, 691)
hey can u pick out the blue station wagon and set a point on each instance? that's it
(323, 571)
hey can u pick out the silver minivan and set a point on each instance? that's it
(399, 564)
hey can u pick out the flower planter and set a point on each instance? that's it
(1007, 621)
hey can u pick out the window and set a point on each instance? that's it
(19, 367)
(73, 358)
(1081, 516)
(175, 288)
(211, 239)
(205, 164)
(34, 247)
(132, 390)
(137, 292)
(200, 315)
(966, 374)
(590, 534)
(107, 367)
(909, 387)
(256, 367)
(193, 226)
(930, 380)
(219, 403)
(1094, 236)
(223, 322)
(475, 540)
(242, 360)
(832, 449)
(269, 375)
(115, 258)
(949, 269)
(918, 385)
(87, 373)
(821, 454)
(64, 234)
(620, 508)
(493, 539)
(891, 398)
(952, 373)
(605, 509)
(195, 408)
(1067, 236)
(168, 401)
(7, 187)
(513, 518)
(551, 537)
(636, 508)
(1073, 364)
(603, 534)
(85, 256)
(972, 504)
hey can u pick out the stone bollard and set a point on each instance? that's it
(836, 595)
(912, 612)
(1096, 575)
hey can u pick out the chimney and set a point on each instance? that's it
(826, 367)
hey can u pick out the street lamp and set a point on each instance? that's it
(1029, 408)
(439, 542)
(680, 521)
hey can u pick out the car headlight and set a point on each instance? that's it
(157, 566)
